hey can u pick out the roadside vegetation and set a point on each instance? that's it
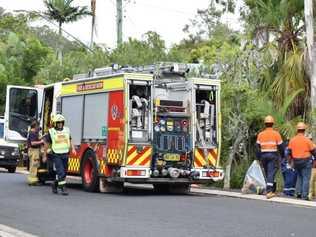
(263, 65)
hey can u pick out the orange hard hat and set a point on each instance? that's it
(301, 126)
(269, 119)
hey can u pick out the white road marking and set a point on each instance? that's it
(6, 231)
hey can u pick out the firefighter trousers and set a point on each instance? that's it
(34, 159)
(61, 165)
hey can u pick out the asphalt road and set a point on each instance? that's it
(138, 213)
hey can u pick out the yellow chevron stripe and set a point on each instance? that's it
(211, 159)
(131, 156)
(143, 157)
(199, 157)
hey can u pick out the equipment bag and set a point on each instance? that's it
(254, 181)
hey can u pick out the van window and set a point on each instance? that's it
(22, 109)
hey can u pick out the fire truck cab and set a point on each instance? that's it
(154, 125)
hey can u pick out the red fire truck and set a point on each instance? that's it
(155, 125)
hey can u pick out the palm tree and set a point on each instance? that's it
(279, 26)
(62, 12)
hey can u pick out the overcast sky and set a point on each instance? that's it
(166, 17)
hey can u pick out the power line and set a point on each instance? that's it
(56, 25)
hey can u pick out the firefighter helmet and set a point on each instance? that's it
(301, 126)
(58, 118)
(269, 119)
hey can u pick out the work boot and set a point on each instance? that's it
(54, 187)
(63, 191)
(270, 195)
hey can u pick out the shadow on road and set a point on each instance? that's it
(131, 191)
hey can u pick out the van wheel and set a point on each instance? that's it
(12, 169)
(89, 172)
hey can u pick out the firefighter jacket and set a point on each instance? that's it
(60, 140)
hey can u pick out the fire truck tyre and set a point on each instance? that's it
(89, 172)
(12, 169)
(41, 179)
(179, 189)
(161, 188)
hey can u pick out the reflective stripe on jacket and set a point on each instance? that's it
(269, 139)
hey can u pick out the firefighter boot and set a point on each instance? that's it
(54, 187)
(63, 190)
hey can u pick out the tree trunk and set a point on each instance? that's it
(231, 157)
(228, 169)
(311, 59)
(59, 47)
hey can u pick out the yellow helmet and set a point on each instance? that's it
(58, 118)
(269, 119)
(301, 126)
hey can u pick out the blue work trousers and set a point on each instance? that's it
(61, 165)
(304, 169)
(289, 177)
(269, 162)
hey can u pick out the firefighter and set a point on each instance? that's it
(60, 140)
(301, 150)
(269, 149)
(34, 146)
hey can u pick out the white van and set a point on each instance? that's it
(9, 152)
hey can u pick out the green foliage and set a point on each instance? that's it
(27, 55)
(140, 52)
(75, 62)
(238, 174)
(50, 39)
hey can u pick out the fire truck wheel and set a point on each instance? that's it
(89, 172)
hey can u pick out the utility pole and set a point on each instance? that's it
(93, 11)
(311, 51)
(119, 21)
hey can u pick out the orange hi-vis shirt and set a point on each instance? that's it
(269, 139)
(301, 147)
